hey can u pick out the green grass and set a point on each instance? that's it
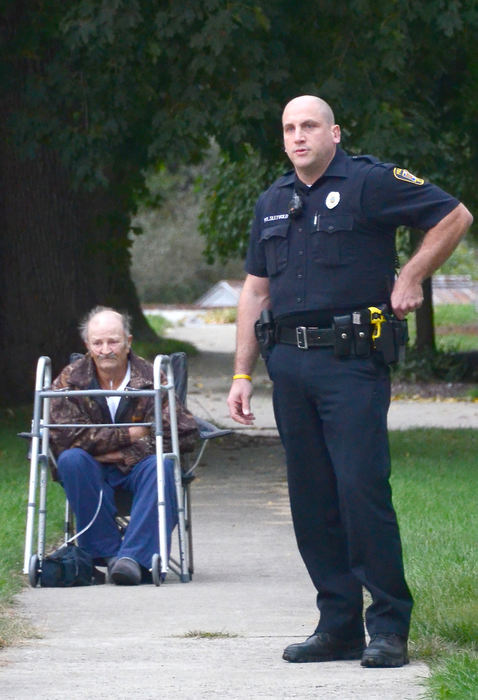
(13, 505)
(158, 323)
(163, 346)
(455, 678)
(203, 634)
(455, 314)
(435, 481)
(222, 315)
(456, 327)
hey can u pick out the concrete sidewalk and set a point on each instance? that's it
(222, 635)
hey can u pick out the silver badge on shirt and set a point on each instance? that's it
(333, 198)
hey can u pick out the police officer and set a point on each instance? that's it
(321, 259)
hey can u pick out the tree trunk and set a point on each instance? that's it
(425, 337)
(62, 251)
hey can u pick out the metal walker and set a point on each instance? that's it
(40, 455)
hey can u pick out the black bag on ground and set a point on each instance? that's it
(68, 566)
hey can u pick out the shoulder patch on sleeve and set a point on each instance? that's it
(402, 174)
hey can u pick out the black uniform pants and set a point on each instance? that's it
(332, 418)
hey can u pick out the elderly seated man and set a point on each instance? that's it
(90, 460)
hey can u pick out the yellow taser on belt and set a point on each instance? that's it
(376, 320)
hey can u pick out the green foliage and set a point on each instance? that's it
(463, 261)
(232, 188)
(402, 80)
(456, 343)
(124, 85)
(430, 365)
(168, 265)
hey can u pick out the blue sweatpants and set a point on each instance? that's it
(83, 477)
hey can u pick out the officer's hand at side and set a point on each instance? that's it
(239, 401)
(406, 297)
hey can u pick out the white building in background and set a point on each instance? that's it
(223, 293)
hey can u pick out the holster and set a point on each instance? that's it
(264, 330)
(400, 330)
(392, 340)
(385, 343)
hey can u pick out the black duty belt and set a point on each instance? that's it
(305, 337)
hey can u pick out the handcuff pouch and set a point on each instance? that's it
(343, 335)
(362, 332)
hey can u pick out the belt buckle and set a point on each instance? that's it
(301, 336)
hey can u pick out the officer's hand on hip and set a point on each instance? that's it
(239, 401)
(406, 296)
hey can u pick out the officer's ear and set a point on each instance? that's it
(336, 133)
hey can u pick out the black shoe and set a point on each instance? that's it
(125, 572)
(385, 651)
(323, 647)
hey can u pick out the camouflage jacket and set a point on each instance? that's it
(94, 409)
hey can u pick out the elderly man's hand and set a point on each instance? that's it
(110, 457)
(136, 432)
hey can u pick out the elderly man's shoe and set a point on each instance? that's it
(323, 647)
(125, 572)
(385, 651)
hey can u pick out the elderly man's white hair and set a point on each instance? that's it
(85, 321)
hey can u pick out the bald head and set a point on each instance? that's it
(311, 103)
(310, 136)
(107, 318)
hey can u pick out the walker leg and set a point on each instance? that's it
(156, 570)
(34, 570)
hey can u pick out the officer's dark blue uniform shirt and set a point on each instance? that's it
(338, 255)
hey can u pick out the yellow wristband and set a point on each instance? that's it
(242, 376)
